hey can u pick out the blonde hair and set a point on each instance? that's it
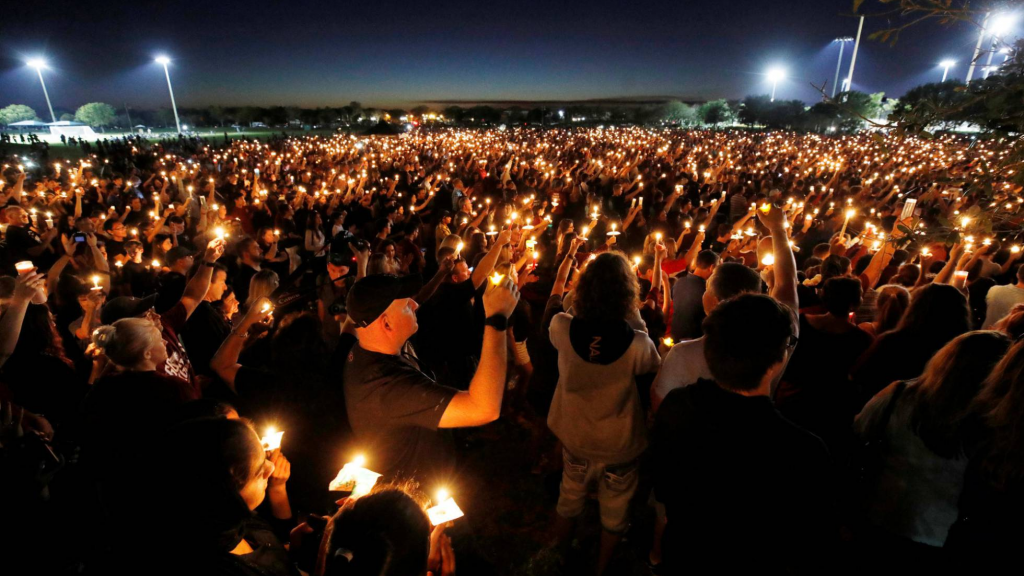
(125, 342)
(261, 285)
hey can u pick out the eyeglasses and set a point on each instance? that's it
(792, 341)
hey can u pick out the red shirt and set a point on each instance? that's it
(177, 365)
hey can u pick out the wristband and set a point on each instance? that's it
(497, 321)
(208, 264)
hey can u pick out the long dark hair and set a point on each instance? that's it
(385, 533)
(39, 335)
(607, 289)
(1000, 407)
(937, 313)
(950, 381)
(213, 459)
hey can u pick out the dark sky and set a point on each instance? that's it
(322, 52)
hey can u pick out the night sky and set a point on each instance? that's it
(317, 53)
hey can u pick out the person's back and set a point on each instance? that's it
(596, 410)
(1000, 300)
(744, 489)
(728, 463)
(687, 310)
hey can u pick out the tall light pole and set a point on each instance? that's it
(946, 65)
(842, 43)
(39, 64)
(165, 61)
(977, 48)
(853, 60)
(776, 74)
(1000, 26)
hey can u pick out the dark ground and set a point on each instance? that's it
(509, 499)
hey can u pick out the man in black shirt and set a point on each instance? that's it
(451, 336)
(394, 407)
(744, 489)
(207, 327)
(250, 256)
(23, 242)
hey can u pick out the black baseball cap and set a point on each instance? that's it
(126, 307)
(370, 296)
(178, 253)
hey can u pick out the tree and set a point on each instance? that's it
(65, 117)
(716, 112)
(16, 113)
(676, 111)
(96, 114)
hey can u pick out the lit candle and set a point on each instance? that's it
(667, 341)
(497, 278)
(96, 282)
(272, 439)
(446, 511)
(354, 478)
(24, 267)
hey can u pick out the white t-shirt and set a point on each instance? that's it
(682, 366)
(999, 301)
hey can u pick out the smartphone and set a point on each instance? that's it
(79, 237)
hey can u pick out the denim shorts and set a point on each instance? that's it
(615, 485)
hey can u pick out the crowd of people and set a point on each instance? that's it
(751, 350)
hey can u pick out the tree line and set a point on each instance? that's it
(847, 112)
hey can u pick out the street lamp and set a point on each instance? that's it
(39, 64)
(774, 75)
(164, 60)
(946, 65)
(842, 43)
(1000, 25)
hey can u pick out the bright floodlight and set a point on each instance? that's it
(947, 63)
(1002, 24)
(776, 74)
(163, 60)
(37, 63)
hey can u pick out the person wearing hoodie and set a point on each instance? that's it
(596, 410)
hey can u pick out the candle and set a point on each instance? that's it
(668, 342)
(96, 282)
(354, 478)
(156, 264)
(272, 439)
(219, 232)
(24, 267)
(267, 307)
(700, 228)
(768, 260)
(446, 511)
(613, 231)
(1015, 249)
(497, 278)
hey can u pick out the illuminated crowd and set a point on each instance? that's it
(733, 351)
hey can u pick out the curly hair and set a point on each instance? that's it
(607, 289)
